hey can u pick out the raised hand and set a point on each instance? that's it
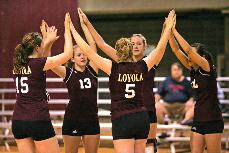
(83, 17)
(170, 19)
(83, 25)
(174, 24)
(67, 22)
(43, 28)
(51, 35)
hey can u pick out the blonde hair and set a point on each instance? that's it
(124, 49)
(142, 37)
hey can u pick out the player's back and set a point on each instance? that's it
(31, 101)
(126, 87)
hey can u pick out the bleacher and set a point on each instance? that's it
(59, 98)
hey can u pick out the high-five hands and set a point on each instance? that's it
(49, 34)
(83, 17)
(171, 19)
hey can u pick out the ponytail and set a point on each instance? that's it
(23, 50)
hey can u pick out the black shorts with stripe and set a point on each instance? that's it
(208, 127)
(76, 128)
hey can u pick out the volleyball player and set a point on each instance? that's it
(130, 120)
(139, 46)
(81, 114)
(31, 124)
(208, 123)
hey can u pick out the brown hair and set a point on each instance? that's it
(142, 37)
(23, 50)
(202, 50)
(124, 49)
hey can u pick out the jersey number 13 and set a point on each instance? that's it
(85, 83)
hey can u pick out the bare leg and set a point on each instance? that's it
(197, 143)
(152, 131)
(71, 143)
(124, 145)
(139, 146)
(26, 145)
(213, 142)
(48, 146)
(91, 143)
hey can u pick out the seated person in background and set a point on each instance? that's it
(175, 98)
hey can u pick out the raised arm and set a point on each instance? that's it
(191, 52)
(60, 71)
(90, 40)
(102, 63)
(179, 54)
(62, 58)
(176, 50)
(155, 56)
(107, 49)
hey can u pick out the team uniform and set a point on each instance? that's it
(31, 112)
(129, 116)
(149, 99)
(81, 113)
(207, 114)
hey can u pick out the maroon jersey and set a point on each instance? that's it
(126, 87)
(207, 103)
(31, 101)
(82, 90)
(149, 99)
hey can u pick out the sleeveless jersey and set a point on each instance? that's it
(31, 101)
(207, 103)
(82, 90)
(126, 84)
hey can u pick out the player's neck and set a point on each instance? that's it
(79, 68)
(138, 57)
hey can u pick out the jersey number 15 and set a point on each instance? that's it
(24, 88)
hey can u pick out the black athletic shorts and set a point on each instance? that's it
(75, 128)
(131, 126)
(152, 117)
(208, 127)
(37, 130)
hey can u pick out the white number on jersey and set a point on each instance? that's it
(24, 86)
(130, 93)
(194, 85)
(85, 83)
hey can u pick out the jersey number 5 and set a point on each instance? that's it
(24, 86)
(85, 83)
(130, 93)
